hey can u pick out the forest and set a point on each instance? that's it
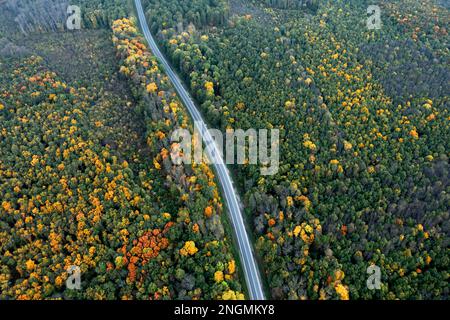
(75, 192)
(364, 124)
(86, 177)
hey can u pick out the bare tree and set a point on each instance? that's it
(38, 15)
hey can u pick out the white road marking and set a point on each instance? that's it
(251, 272)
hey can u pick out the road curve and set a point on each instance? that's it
(251, 272)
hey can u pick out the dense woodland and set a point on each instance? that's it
(364, 120)
(85, 179)
(85, 175)
(32, 16)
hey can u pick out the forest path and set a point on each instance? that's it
(250, 267)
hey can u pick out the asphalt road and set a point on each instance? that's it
(251, 272)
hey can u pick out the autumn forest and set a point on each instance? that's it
(87, 178)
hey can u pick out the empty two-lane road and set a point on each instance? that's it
(251, 272)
